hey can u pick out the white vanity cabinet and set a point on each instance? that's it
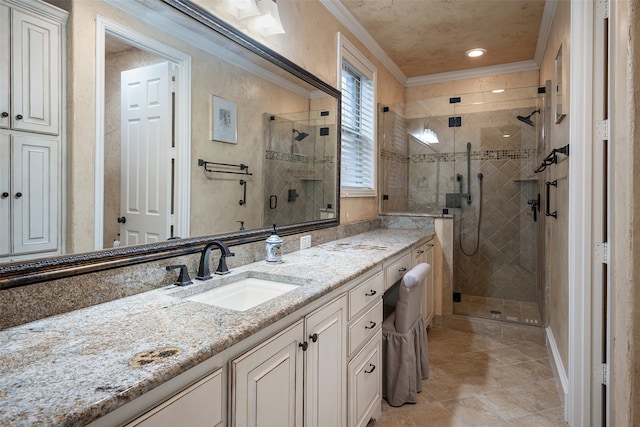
(267, 381)
(364, 371)
(425, 253)
(29, 189)
(31, 35)
(199, 405)
(30, 73)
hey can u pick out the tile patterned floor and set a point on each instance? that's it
(477, 380)
(500, 309)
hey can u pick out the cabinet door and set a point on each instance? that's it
(200, 405)
(34, 194)
(365, 383)
(35, 68)
(268, 381)
(326, 386)
(5, 192)
(5, 69)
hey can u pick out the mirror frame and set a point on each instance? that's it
(22, 273)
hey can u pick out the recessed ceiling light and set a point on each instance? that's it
(506, 135)
(474, 53)
(497, 90)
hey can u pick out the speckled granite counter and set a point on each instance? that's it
(74, 368)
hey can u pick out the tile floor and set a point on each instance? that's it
(501, 309)
(478, 380)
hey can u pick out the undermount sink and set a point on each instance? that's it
(243, 294)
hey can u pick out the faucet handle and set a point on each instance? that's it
(183, 276)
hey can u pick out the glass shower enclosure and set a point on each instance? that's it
(473, 157)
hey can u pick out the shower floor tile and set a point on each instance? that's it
(499, 309)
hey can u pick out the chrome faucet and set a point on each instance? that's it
(203, 268)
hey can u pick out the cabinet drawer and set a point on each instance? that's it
(394, 271)
(365, 383)
(198, 405)
(365, 326)
(366, 292)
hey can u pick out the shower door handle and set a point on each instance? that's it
(548, 210)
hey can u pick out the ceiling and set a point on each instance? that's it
(429, 37)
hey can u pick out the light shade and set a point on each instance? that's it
(241, 9)
(268, 23)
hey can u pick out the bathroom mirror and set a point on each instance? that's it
(286, 124)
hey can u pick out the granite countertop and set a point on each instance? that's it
(73, 368)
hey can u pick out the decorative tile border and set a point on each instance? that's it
(522, 154)
(297, 158)
(394, 157)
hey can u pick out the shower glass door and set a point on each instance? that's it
(495, 205)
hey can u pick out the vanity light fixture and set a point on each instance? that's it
(474, 53)
(241, 9)
(268, 23)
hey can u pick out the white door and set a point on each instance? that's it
(325, 380)
(5, 193)
(146, 154)
(34, 194)
(36, 67)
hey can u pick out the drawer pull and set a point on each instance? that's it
(430, 245)
(372, 368)
(419, 251)
(313, 337)
(371, 325)
(403, 269)
(371, 293)
(304, 345)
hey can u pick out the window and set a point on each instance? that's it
(358, 148)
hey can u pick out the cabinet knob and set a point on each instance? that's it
(18, 195)
(19, 117)
(5, 195)
(4, 114)
(372, 368)
(371, 293)
(402, 270)
(313, 337)
(304, 345)
(419, 251)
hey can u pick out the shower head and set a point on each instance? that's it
(527, 119)
(300, 136)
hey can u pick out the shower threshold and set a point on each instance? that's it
(522, 312)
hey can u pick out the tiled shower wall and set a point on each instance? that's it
(505, 263)
(299, 175)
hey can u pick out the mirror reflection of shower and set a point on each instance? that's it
(527, 119)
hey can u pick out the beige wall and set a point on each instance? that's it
(556, 234)
(625, 241)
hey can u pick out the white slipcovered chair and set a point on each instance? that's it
(405, 352)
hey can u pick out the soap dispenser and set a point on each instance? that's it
(274, 247)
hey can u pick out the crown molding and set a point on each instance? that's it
(345, 17)
(492, 70)
(545, 29)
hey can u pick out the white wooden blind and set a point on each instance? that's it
(358, 109)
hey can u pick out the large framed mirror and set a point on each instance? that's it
(281, 166)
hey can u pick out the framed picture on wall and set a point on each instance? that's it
(224, 120)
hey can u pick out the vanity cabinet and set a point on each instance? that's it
(425, 253)
(305, 365)
(31, 35)
(29, 189)
(30, 70)
(199, 405)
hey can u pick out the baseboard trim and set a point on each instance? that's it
(558, 369)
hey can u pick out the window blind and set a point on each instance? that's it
(357, 160)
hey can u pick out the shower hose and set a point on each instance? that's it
(477, 245)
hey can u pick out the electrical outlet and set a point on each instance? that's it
(305, 242)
